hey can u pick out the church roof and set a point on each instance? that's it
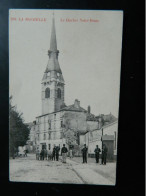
(53, 42)
(53, 64)
(67, 108)
(73, 108)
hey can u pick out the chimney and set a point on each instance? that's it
(76, 103)
(89, 109)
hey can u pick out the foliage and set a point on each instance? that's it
(18, 131)
(70, 134)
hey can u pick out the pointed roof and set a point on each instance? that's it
(53, 42)
(53, 64)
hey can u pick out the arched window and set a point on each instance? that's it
(59, 93)
(47, 93)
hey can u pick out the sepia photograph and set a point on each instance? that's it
(64, 88)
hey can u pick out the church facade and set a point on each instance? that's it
(59, 124)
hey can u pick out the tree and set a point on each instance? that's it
(18, 131)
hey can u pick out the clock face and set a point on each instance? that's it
(58, 74)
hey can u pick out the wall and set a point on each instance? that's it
(75, 120)
(93, 138)
(92, 125)
(82, 140)
(54, 129)
(43, 129)
(52, 104)
(110, 130)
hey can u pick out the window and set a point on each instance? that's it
(58, 93)
(49, 136)
(49, 124)
(61, 123)
(47, 93)
(49, 146)
(44, 136)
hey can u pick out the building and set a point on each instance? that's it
(57, 119)
(106, 133)
(60, 124)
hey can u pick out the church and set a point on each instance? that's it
(59, 124)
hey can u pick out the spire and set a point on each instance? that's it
(53, 42)
(53, 64)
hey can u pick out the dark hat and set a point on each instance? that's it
(63, 144)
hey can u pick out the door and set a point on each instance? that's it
(43, 146)
(110, 145)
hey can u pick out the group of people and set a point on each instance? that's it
(54, 154)
(97, 152)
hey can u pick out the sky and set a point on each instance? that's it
(89, 57)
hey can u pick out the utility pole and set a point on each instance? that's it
(102, 139)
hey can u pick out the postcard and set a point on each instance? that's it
(64, 86)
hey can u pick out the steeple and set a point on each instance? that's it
(52, 82)
(53, 42)
(53, 64)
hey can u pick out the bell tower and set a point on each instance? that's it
(52, 82)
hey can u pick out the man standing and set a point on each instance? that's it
(37, 154)
(49, 154)
(104, 154)
(70, 153)
(64, 153)
(57, 152)
(97, 151)
(45, 153)
(53, 153)
(84, 153)
(42, 154)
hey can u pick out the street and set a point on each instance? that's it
(28, 169)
